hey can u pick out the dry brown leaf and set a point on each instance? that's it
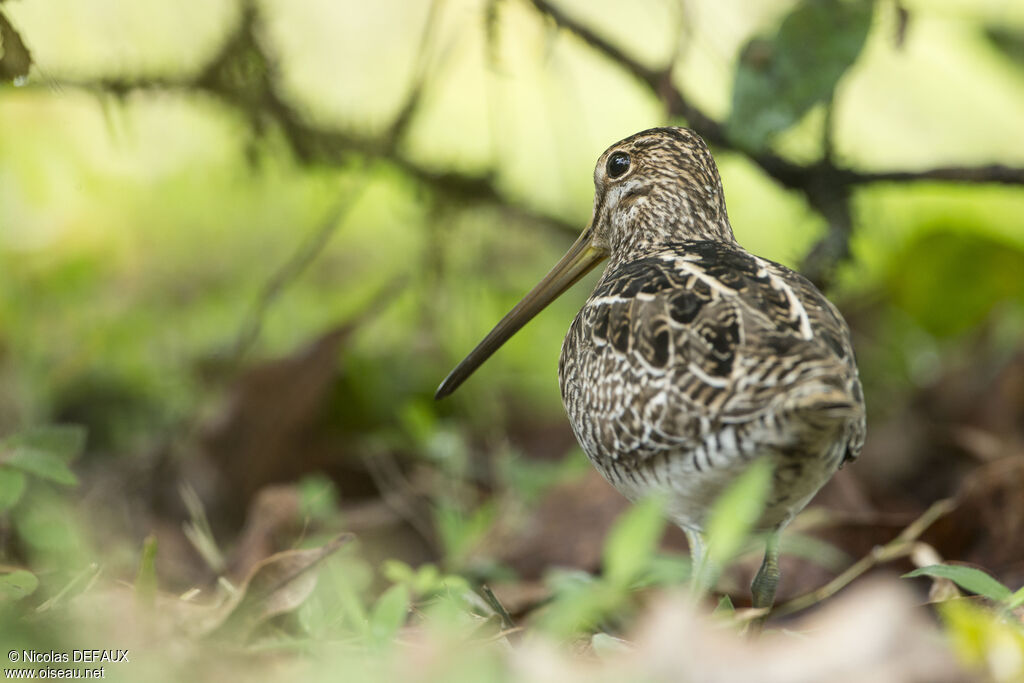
(276, 585)
(273, 517)
(270, 412)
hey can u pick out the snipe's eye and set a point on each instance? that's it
(618, 164)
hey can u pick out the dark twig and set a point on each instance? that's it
(408, 111)
(828, 137)
(991, 174)
(608, 49)
(232, 78)
(901, 546)
(655, 79)
(825, 185)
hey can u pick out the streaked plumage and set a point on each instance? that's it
(689, 362)
(692, 357)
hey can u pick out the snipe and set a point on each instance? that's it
(692, 357)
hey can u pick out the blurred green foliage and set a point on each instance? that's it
(988, 636)
(147, 203)
(34, 466)
(970, 579)
(953, 280)
(779, 78)
(581, 602)
(731, 520)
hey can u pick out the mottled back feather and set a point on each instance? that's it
(700, 351)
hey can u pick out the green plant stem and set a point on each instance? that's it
(492, 600)
(901, 546)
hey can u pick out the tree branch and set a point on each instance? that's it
(232, 78)
(901, 546)
(992, 174)
(826, 185)
(794, 176)
(659, 82)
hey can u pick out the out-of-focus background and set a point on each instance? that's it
(241, 242)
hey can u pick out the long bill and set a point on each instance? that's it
(577, 262)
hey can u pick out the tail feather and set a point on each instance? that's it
(825, 401)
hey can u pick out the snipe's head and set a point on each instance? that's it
(653, 188)
(660, 185)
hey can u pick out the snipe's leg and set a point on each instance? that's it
(767, 580)
(698, 572)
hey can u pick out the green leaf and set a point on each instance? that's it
(968, 578)
(736, 512)
(580, 607)
(43, 465)
(665, 570)
(12, 485)
(424, 581)
(926, 277)
(985, 640)
(350, 579)
(45, 452)
(561, 580)
(460, 530)
(780, 77)
(605, 645)
(397, 571)
(145, 580)
(1015, 600)
(427, 579)
(17, 584)
(731, 521)
(725, 606)
(46, 522)
(63, 441)
(1008, 41)
(633, 540)
(389, 613)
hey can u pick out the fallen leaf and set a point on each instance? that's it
(278, 584)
